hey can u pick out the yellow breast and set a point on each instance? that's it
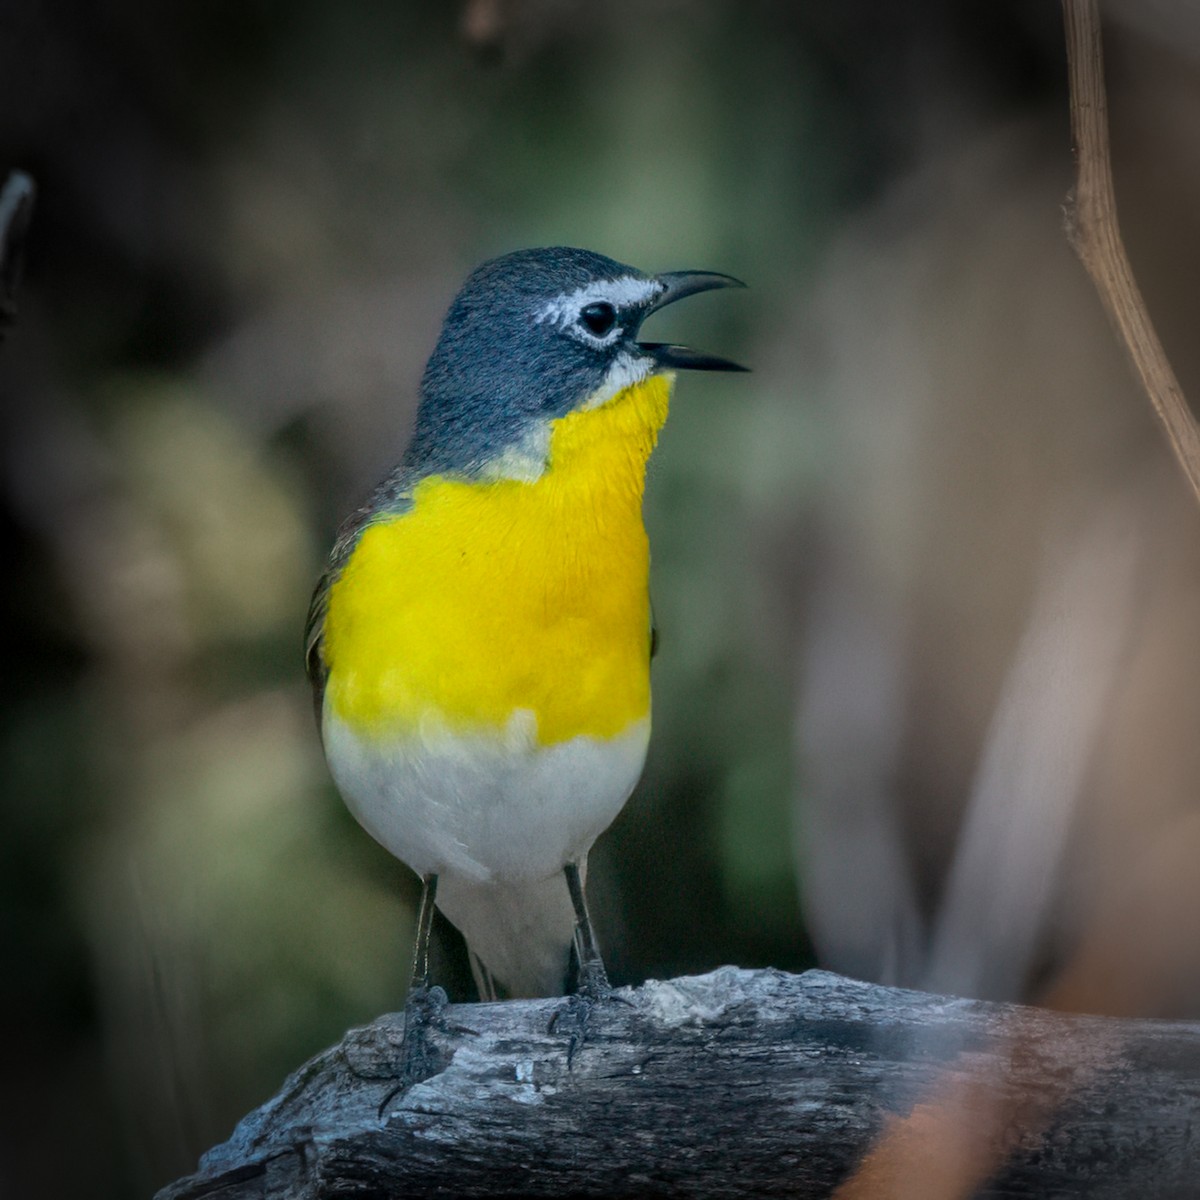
(485, 598)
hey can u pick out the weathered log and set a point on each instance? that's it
(736, 1083)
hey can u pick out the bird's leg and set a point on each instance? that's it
(418, 1058)
(592, 985)
(420, 967)
(593, 978)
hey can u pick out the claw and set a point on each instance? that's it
(419, 1058)
(593, 981)
(572, 1019)
(576, 1012)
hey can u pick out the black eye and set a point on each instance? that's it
(599, 317)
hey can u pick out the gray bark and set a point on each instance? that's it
(736, 1083)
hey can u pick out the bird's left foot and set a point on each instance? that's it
(592, 992)
(572, 1019)
(593, 982)
(592, 987)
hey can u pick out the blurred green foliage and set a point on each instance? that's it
(251, 219)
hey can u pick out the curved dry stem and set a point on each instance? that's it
(1091, 224)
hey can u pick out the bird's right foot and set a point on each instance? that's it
(420, 1059)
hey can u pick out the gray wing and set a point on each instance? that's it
(318, 607)
(392, 496)
(314, 627)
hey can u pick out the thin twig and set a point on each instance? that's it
(16, 209)
(1091, 221)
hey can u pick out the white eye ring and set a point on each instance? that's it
(566, 311)
(598, 318)
(596, 324)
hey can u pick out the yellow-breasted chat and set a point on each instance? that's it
(480, 642)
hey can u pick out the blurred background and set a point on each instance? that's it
(928, 582)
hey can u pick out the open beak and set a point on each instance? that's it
(677, 285)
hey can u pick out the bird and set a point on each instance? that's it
(479, 644)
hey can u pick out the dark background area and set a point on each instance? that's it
(250, 220)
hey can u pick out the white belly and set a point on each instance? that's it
(486, 808)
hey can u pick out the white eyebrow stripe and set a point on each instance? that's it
(627, 291)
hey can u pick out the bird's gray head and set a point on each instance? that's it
(534, 335)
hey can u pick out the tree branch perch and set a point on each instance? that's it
(737, 1083)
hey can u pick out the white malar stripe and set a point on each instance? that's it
(627, 291)
(626, 370)
(526, 461)
(485, 808)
